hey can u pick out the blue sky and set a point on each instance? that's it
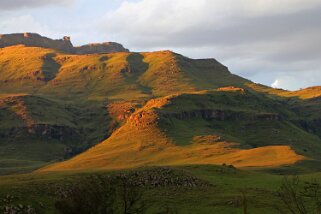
(277, 43)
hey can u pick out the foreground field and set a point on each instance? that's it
(185, 189)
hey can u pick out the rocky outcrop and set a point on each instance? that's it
(144, 119)
(107, 47)
(46, 131)
(161, 177)
(35, 40)
(64, 44)
(221, 115)
(148, 118)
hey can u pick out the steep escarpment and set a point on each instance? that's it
(96, 48)
(36, 40)
(63, 45)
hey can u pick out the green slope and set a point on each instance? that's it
(67, 103)
(203, 127)
(224, 194)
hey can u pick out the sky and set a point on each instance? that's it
(273, 42)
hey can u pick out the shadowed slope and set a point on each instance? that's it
(36, 130)
(305, 103)
(50, 67)
(29, 136)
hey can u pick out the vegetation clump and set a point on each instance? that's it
(121, 193)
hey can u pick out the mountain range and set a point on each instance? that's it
(101, 106)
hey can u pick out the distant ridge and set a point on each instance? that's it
(64, 44)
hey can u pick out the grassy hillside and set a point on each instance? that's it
(71, 102)
(36, 130)
(190, 135)
(172, 105)
(113, 76)
(228, 125)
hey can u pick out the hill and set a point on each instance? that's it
(86, 95)
(179, 110)
(209, 127)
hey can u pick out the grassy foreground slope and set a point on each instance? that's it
(226, 190)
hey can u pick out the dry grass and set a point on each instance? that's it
(307, 93)
(110, 155)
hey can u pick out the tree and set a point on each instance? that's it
(94, 195)
(101, 195)
(130, 196)
(290, 195)
(299, 198)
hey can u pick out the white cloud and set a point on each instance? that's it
(286, 82)
(158, 18)
(296, 80)
(259, 39)
(276, 84)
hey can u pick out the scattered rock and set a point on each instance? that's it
(162, 177)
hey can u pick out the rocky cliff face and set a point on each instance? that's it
(35, 40)
(107, 47)
(45, 131)
(222, 115)
(64, 44)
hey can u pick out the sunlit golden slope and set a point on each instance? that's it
(145, 139)
(307, 93)
(116, 76)
(128, 155)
